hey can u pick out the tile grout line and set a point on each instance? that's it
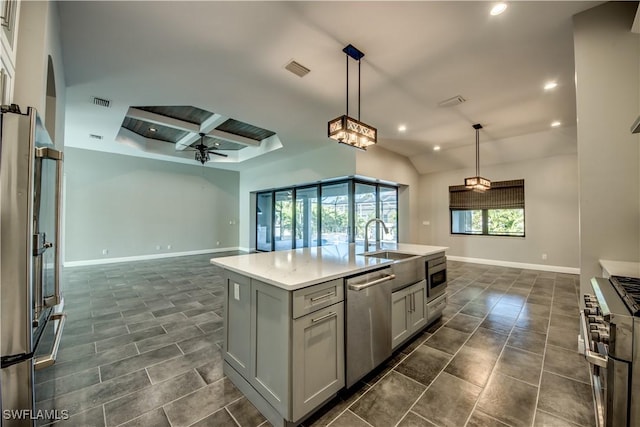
(495, 366)
(544, 355)
(454, 355)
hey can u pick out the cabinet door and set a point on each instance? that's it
(400, 327)
(238, 324)
(318, 358)
(270, 326)
(418, 313)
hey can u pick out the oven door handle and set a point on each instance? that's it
(592, 357)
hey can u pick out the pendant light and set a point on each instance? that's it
(477, 183)
(345, 129)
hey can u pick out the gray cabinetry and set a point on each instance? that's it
(238, 322)
(408, 312)
(318, 358)
(270, 325)
(286, 349)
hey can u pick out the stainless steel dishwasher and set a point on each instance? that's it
(368, 322)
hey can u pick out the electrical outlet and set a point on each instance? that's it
(218, 243)
(157, 247)
(105, 251)
(544, 256)
(168, 246)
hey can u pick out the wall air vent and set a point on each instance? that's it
(94, 136)
(101, 102)
(297, 68)
(456, 100)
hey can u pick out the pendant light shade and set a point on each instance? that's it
(345, 129)
(477, 183)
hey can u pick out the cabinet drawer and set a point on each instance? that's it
(315, 297)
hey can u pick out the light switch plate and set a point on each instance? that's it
(236, 291)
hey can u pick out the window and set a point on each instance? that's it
(496, 212)
(325, 214)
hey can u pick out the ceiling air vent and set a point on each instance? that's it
(94, 136)
(297, 68)
(101, 102)
(456, 100)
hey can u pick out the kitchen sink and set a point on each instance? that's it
(390, 255)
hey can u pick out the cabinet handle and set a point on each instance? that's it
(326, 316)
(327, 295)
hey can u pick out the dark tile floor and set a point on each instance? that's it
(142, 348)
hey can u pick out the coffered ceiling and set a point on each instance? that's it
(224, 64)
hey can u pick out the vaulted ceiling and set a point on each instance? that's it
(229, 59)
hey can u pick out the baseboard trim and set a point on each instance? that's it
(500, 263)
(146, 257)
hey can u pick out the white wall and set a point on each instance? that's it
(607, 57)
(386, 165)
(38, 38)
(333, 160)
(129, 205)
(551, 213)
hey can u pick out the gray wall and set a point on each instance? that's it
(129, 205)
(551, 213)
(607, 57)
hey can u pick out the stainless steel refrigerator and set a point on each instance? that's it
(30, 260)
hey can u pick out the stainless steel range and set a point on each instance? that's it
(610, 327)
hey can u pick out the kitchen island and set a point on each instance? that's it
(287, 315)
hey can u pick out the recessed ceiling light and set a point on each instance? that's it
(498, 8)
(550, 85)
(436, 148)
(555, 124)
(152, 129)
(402, 128)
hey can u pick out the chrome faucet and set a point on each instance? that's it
(366, 232)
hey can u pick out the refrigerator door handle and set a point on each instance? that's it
(42, 362)
(58, 156)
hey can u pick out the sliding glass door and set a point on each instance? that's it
(306, 213)
(365, 209)
(264, 216)
(335, 216)
(388, 211)
(325, 214)
(283, 220)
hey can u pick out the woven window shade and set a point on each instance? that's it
(502, 195)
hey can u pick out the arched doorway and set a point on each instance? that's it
(50, 104)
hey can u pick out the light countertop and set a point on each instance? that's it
(621, 268)
(298, 268)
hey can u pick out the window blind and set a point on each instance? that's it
(501, 195)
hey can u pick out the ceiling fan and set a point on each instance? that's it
(203, 151)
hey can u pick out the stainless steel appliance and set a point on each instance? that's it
(30, 263)
(436, 277)
(368, 322)
(610, 328)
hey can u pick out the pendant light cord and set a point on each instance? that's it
(477, 152)
(358, 90)
(347, 68)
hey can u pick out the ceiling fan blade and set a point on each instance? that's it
(218, 154)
